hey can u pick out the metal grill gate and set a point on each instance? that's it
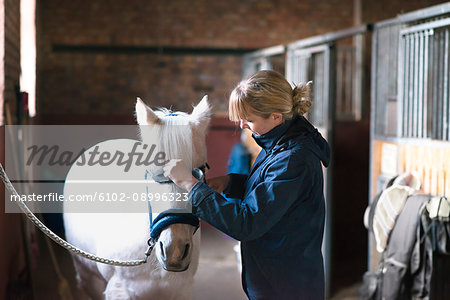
(410, 110)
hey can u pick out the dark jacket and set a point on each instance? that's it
(406, 265)
(407, 259)
(280, 217)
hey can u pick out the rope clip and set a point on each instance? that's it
(151, 244)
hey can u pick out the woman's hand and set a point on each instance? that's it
(219, 183)
(180, 174)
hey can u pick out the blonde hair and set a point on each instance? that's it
(265, 92)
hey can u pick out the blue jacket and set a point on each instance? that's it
(280, 217)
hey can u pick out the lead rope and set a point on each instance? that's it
(64, 243)
(151, 241)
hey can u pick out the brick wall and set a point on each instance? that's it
(100, 83)
(95, 57)
(2, 55)
(12, 255)
(195, 23)
(11, 54)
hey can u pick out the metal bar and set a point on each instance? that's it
(297, 70)
(425, 85)
(415, 15)
(372, 126)
(339, 76)
(348, 80)
(435, 63)
(420, 87)
(417, 79)
(429, 12)
(409, 100)
(358, 77)
(330, 37)
(393, 64)
(160, 50)
(416, 84)
(293, 72)
(402, 84)
(318, 76)
(439, 81)
(373, 116)
(448, 87)
(394, 42)
(410, 90)
(266, 63)
(265, 52)
(385, 23)
(445, 97)
(413, 86)
(385, 71)
(291, 66)
(287, 67)
(425, 26)
(328, 99)
(295, 67)
(308, 64)
(323, 76)
(309, 50)
(430, 90)
(327, 86)
(248, 67)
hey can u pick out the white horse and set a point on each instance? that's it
(170, 268)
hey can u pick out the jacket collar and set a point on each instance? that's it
(268, 140)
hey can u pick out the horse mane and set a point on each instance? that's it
(175, 135)
(178, 135)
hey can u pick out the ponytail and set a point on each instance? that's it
(301, 97)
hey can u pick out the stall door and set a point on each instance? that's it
(313, 64)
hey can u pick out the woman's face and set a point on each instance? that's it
(259, 125)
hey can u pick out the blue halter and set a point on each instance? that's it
(171, 216)
(166, 218)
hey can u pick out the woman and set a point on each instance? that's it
(280, 218)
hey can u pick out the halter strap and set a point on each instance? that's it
(171, 216)
(165, 219)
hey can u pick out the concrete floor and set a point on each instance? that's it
(217, 278)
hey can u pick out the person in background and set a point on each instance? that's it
(240, 158)
(281, 213)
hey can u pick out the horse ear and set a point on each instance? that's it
(202, 112)
(144, 114)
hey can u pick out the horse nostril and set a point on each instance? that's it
(161, 247)
(186, 251)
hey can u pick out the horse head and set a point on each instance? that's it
(176, 135)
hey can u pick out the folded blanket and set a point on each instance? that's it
(389, 206)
